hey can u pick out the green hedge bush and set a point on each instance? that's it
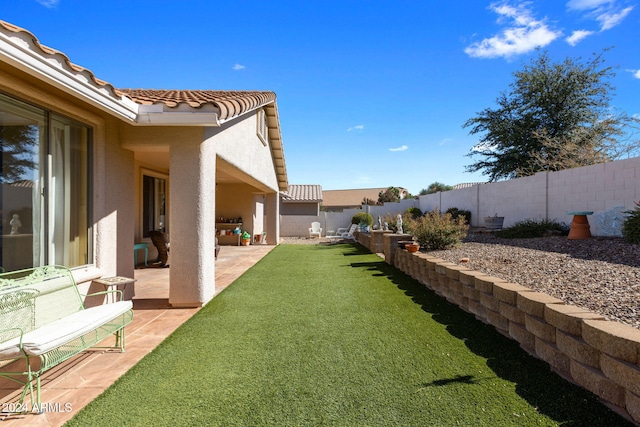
(530, 228)
(413, 212)
(362, 217)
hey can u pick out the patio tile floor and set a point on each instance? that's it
(72, 385)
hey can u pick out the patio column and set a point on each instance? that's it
(272, 210)
(258, 214)
(193, 196)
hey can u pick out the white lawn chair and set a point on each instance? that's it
(344, 233)
(315, 230)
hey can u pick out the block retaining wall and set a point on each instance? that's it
(599, 355)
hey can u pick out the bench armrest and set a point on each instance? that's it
(116, 291)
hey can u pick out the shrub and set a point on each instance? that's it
(362, 217)
(413, 212)
(455, 213)
(436, 231)
(631, 226)
(530, 228)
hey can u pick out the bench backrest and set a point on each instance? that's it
(35, 297)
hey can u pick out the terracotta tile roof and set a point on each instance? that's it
(230, 103)
(59, 56)
(302, 193)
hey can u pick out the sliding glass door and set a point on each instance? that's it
(44, 188)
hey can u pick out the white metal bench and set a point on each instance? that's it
(43, 320)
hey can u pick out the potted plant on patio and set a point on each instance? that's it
(246, 238)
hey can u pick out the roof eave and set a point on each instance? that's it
(53, 71)
(277, 148)
(178, 119)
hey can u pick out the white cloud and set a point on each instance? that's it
(577, 36)
(49, 3)
(357, 127)
(636, 73)
(609, 20)
(445, 141)
(238, 67)
(587, 4)
(607, 12)
(401, 148)
(524, 34)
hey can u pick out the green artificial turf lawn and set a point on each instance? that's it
(332, 335)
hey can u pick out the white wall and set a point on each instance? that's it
(607, 189)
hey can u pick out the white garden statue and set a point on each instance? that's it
(399, 223)
(15, 224)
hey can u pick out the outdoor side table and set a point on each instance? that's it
(137, 246)
(580, 228)
(113, 283)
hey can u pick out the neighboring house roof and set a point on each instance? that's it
(353, 198)
(302, 194)
(23, 50)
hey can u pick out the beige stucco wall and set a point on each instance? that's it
(237, 143)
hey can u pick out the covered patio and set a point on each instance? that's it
(72, 385)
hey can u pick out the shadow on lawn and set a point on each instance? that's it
(551, 395)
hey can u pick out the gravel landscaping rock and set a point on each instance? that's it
(601, 274)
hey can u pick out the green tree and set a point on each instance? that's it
(17, 144)
(369, 202)
(554, 116)
(435, 187)
(391, 194)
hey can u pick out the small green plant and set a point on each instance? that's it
(436, 231)
(530, 228)
(455, 213)
(362, 218)
(631, 226)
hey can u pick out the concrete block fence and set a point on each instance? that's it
(607, 189)
(599, 355)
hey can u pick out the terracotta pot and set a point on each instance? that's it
(245, 242)
(412, 247)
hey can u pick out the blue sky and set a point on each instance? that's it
(370, 93)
